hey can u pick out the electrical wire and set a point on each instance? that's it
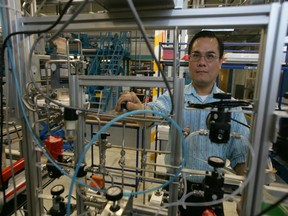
(266, 210)
(9, 142)
(141, 27)
(248, 126)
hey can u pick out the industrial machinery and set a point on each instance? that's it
(83, 158)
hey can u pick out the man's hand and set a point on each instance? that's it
(131, 100)
(240, 169)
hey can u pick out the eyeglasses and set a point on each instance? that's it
(209, 57)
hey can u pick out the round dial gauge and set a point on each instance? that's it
(57, 190)
(114, 193)
(216, 162)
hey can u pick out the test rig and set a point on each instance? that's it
(47, 96)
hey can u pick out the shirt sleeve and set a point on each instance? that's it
(238, 148)
(162, 104)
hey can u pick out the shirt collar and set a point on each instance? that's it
(189, 89)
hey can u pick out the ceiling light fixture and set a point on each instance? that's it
(220, 30)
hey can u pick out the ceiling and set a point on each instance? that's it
(110, 6)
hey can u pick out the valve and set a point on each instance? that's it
(104, 136)
(59, 207)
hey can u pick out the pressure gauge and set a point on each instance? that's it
(114, 193)
(216, 162)
(58, 207)
(57, 190)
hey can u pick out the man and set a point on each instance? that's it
(206, 57)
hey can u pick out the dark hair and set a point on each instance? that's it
(207, 34)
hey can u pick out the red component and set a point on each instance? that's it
(209, 212)
(54, 145)
(18, 166)
(97, 182)
(185, 57)
(19, 188)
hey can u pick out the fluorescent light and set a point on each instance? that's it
(218, 29)
(248, 58)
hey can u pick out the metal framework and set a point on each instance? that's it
(245, 16)
(272, 18)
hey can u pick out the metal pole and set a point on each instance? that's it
(265, 96)
(77, 100)
(175, 138)
(19, 59)
(177, 116)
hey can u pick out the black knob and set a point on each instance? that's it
(82, 171)
(123, 106)
(70, 114)
(104, 135)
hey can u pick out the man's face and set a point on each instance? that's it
(204, 70)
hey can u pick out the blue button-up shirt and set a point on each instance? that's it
(199, 147)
